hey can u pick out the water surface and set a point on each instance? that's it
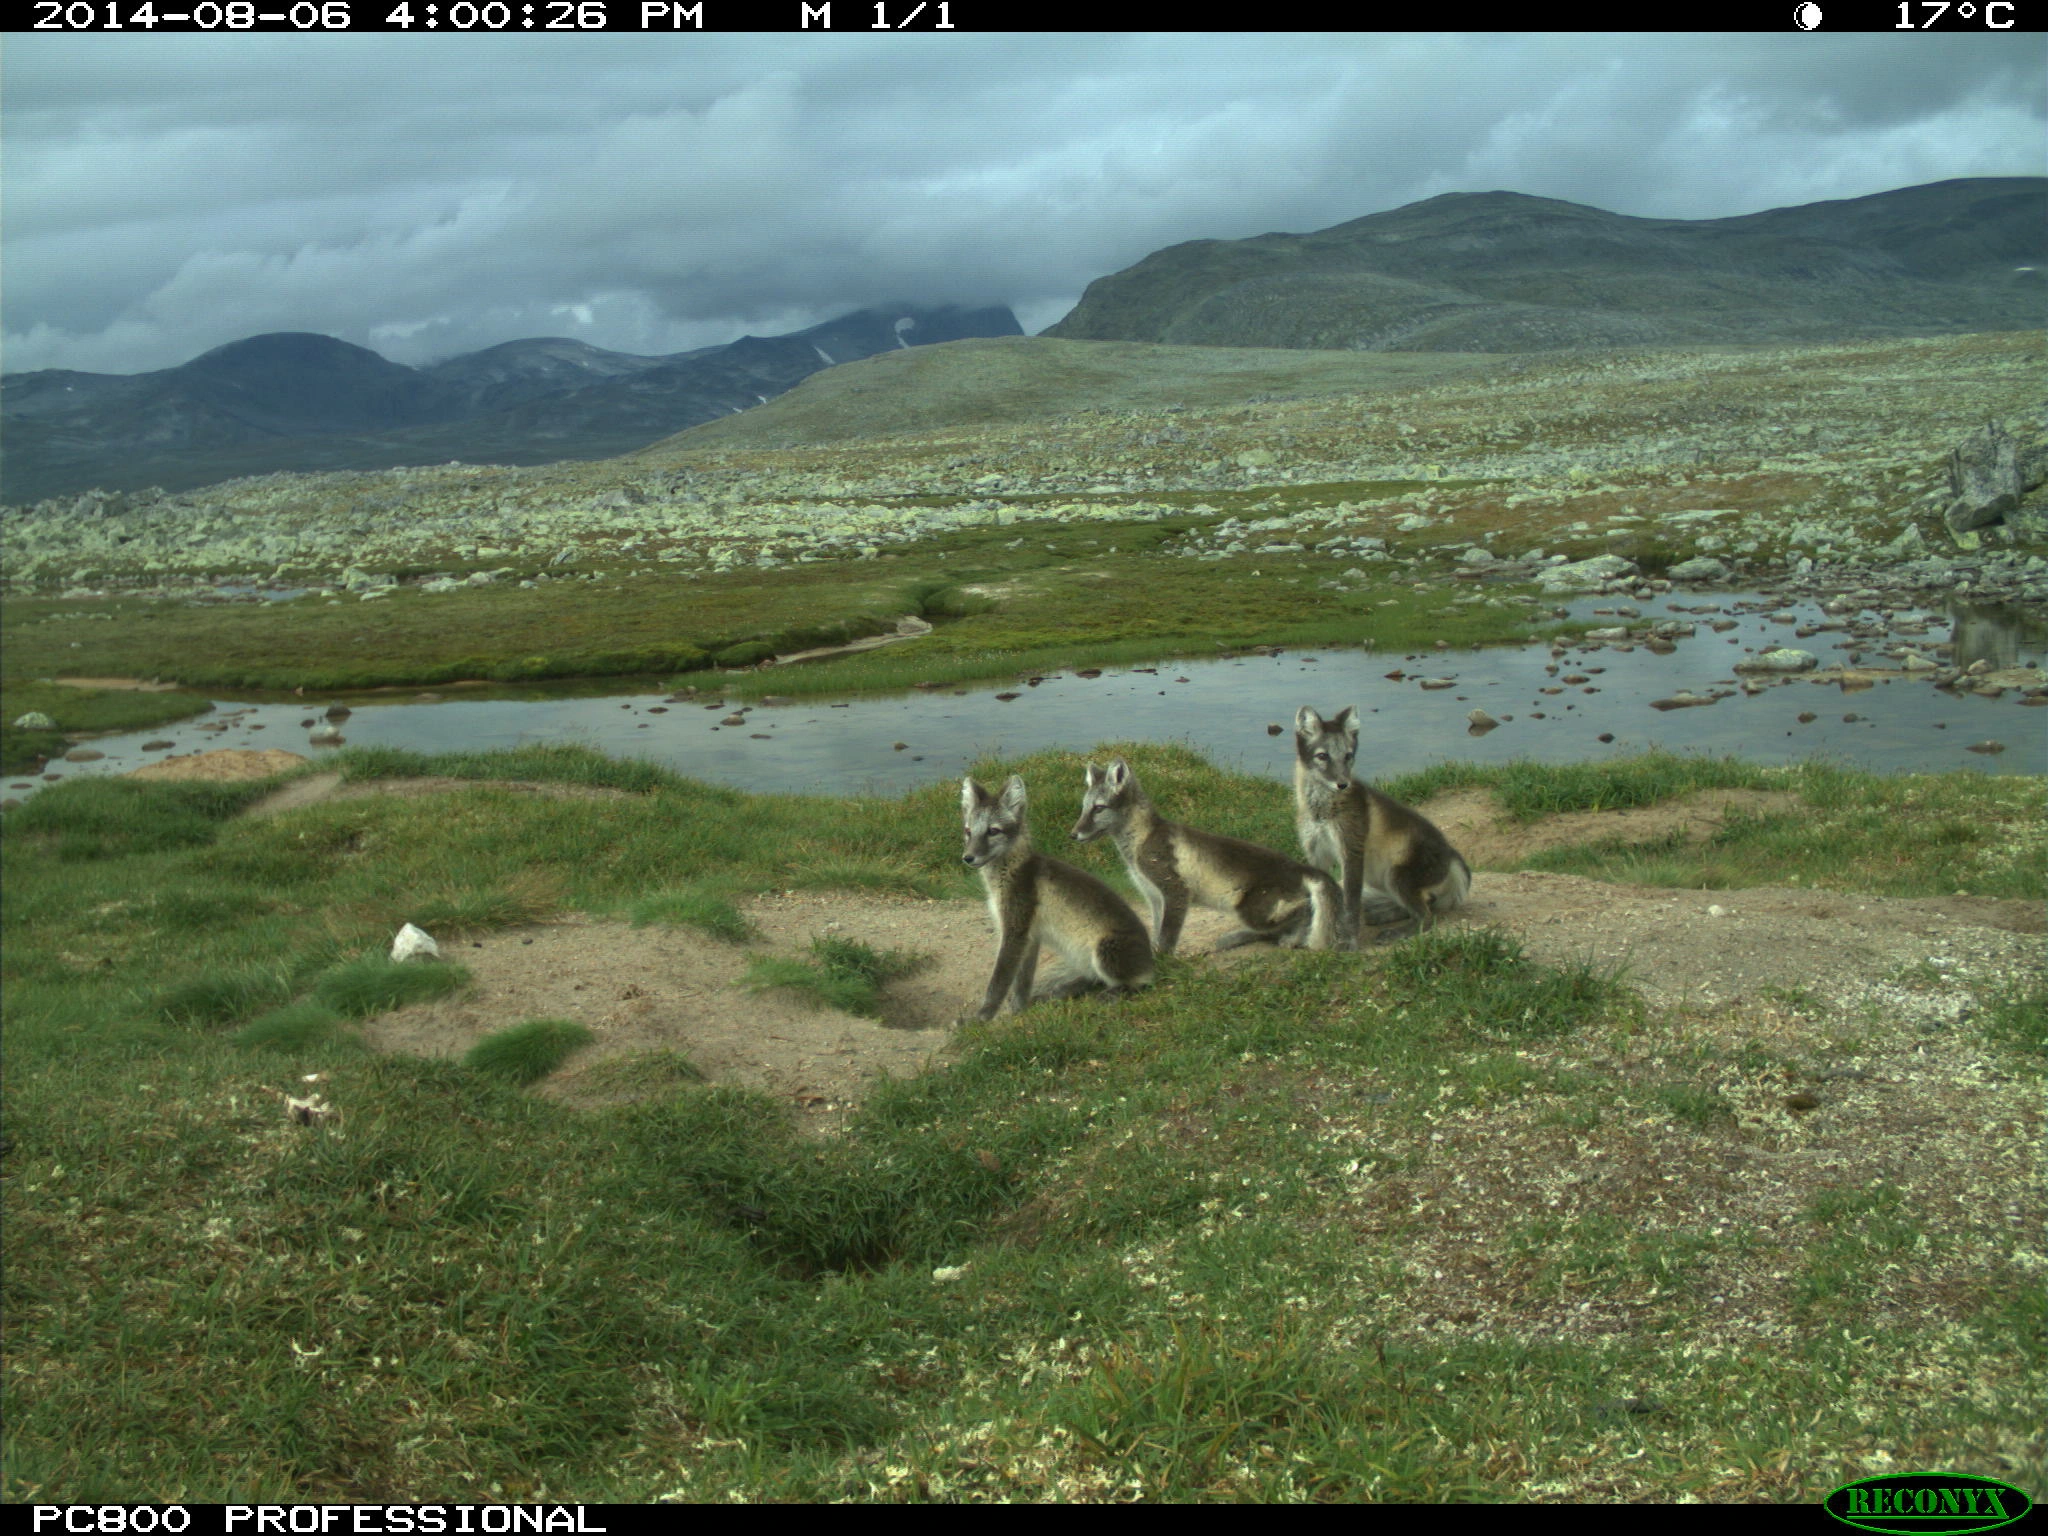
(1223, 708)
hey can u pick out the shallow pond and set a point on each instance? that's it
(1223, 708)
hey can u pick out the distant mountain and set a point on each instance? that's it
(515, 372)
(634, 409)
(303, 402)
(1503, 272)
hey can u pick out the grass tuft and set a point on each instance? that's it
(1482, 979)
(375, 984)
(220, 996)
(297, 1027)
(526, 1053)
(844, 974)
(2019, 1019)
(705, 907)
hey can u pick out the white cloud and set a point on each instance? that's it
(435, 194)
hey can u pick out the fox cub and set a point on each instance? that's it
(1391, 861)
(1274, 897)
(1034, 900)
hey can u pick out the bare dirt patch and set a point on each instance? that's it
(229, 764)
(664, 989)
(124, 684)
(319, 787)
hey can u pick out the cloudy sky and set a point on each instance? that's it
(428, 195)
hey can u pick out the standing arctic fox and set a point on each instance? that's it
(1174, 865)
(1034, 900)
(1390, 860)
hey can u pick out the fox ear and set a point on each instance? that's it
(1307, 721)
(1013, 794)
(971, 795)
(1347, 721)
(1094, 775)
(1119, 773)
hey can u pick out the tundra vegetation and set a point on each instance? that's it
(1389, 501)
(1430, 1222)
(1425, 1223)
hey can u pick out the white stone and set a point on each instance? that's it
(413, 943)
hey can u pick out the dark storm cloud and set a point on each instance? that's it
(428, 195)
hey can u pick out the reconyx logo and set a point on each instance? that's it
(1950, 1503)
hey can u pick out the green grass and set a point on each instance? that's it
(1529, 791)
(115, 818)
(1898, 835)
(297, 1028)
(2019, 1021)
(374, 984)
(1430, 1222)
(526, 1053)
(79, 709)
(842, 973)
(705, 908)
(659, 622)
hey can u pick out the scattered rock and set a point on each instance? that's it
(1586, 575)
(1784, 659)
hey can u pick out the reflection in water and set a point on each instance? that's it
(2001, 633)
(1586, 705)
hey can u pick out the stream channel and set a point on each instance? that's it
(1223, 708)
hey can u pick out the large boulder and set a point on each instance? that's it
(1586, 575)
(1988, 475)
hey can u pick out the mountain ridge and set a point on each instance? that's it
(299, 400)
(1506, 271)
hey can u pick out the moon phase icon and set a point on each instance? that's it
(1807, 17)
